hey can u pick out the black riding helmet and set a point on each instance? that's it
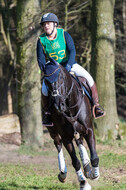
(49, 17)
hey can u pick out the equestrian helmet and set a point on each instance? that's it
(49, 17)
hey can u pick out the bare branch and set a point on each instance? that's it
(77, 11)
(3, 31)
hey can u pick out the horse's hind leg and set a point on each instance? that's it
(62, 166)
(90, 138)
(84, 185)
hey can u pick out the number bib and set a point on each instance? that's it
(55, 48)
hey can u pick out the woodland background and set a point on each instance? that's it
(75, 17)
(20, 166)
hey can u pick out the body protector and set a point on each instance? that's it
(55, 48)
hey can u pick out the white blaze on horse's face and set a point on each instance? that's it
(55, 93)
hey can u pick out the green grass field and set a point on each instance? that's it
(40, 170)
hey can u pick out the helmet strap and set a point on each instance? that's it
(52, 30)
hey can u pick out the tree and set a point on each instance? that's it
(103, 64)
(29, 90)
(7, 57)
(120, 26)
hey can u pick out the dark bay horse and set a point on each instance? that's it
(72, 118)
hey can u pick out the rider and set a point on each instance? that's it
(59, 45)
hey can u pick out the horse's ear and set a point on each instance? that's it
(53, 61)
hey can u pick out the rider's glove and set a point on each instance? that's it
(68, 67)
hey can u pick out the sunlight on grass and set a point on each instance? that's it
(42, 175)
(24, 177)
(109, 160)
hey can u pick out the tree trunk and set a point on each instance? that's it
(29, 89)
(103, 65)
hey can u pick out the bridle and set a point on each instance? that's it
(56, 93)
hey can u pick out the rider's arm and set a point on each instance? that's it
(71, 49)
(40, 55)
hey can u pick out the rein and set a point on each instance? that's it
(71, 118)
(56, 92)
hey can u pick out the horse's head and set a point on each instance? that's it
(57, 79)
(55, 75)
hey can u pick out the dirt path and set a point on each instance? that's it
(9, 146)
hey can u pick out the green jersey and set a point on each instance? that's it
(55, 48)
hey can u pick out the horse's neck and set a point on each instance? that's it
(67, 81)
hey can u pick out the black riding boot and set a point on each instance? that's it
(97, 111)
(46, 115)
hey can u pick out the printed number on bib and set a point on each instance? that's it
(61, 55)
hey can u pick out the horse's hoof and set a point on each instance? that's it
(95, 173)
(85, 186)
(87, 171)
(62, 177)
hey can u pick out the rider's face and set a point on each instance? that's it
(48, 27)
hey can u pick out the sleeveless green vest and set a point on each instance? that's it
(55, 48)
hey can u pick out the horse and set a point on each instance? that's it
(71, 114)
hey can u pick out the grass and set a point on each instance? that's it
(113, 160)
(21, 177)
(43, 175)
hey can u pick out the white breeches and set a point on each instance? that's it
(80, 71)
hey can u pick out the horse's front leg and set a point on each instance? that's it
(90, 138)
(84, 185)
(58, 143)
(62, 166)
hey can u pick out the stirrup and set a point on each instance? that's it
(101, 111)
